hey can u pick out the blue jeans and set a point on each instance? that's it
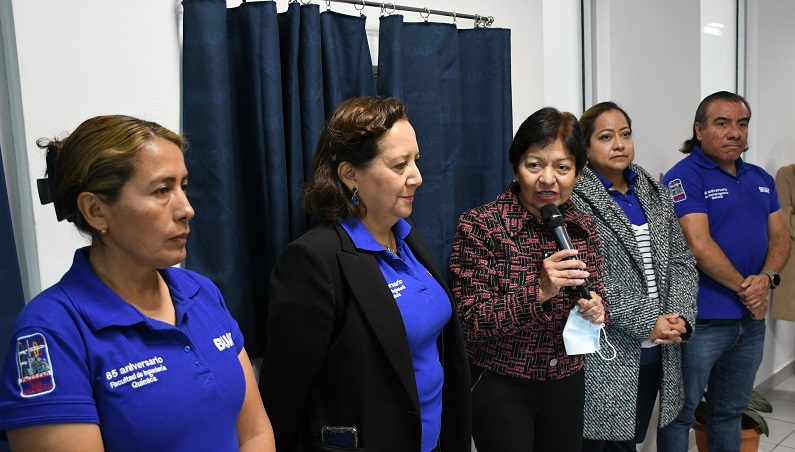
(724, 356)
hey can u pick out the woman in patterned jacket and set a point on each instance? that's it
(651, 281)
(514, 292)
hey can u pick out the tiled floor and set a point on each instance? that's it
(781, 420)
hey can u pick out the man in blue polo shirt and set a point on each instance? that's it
(732, 221)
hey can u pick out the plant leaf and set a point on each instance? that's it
(759, 421)
(759, 403)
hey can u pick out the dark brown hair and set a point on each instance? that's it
(350, 135)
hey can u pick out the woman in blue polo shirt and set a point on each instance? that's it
(651, 282)
(361, 329)
(127, 352)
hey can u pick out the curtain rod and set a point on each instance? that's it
(480, 21)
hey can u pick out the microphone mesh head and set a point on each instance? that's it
(551, 216)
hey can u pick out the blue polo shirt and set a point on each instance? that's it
(738, 208)
(81, 354)
(425, 308)
(628, 201)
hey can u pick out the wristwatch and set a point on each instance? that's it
(775, 279)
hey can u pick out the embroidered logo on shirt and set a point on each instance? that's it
(35, 368)
(397, 287)
(764, 190)
(137, 374)
(677, 190)
(716, 193)
(224, 342)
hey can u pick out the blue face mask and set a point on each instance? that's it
(580, 336)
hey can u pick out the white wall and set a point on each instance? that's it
(771, 93)
(75, 60)
(718, 46)
(645, 56)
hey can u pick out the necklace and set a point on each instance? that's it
(388, 244)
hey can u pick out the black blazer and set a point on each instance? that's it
(338, 354)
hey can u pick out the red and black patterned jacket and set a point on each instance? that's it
(494, 268)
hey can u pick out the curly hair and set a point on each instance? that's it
(351, 135)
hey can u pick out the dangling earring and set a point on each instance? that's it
(355, 197)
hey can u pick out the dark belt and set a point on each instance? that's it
(722, 321)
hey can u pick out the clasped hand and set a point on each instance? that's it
(557, 272)
(668, 329)
(753, 294)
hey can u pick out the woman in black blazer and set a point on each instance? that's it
(361, 328)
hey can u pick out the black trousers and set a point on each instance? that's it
(517, 415)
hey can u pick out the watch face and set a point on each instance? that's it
(776, 279)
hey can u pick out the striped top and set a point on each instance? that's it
(644, 245)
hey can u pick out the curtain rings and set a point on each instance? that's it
(483, 21)
(479, 21)
(426, 14)
(387, 9)
(360, 9)
(305, 2)
(454, 18)
(328, 5)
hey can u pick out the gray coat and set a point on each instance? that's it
(611, 386)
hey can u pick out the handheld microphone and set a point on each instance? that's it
(553, 221)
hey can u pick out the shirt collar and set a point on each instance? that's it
(629, 175)
(705, 162)
(101, 307)
(365, 241)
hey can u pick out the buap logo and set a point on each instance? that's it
(224, 342)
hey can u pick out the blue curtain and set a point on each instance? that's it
(12, 300)
(257, 87)
(457, 87)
